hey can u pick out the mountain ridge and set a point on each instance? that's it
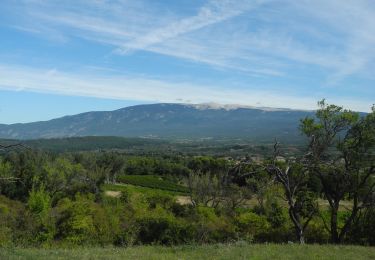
(200, 106)
(167, 120)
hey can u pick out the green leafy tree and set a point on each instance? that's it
(341, 155)
(205, 189)
(112, 164)
(26, 165)
(5, 175)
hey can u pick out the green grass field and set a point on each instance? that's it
(139, 190)
(150, 181)
(217, 251)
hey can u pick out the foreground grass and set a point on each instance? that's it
(218, 251)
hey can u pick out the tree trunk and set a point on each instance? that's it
(301, 237)
(334, 229)
(297, 226)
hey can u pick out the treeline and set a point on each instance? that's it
(149, 146)
(326, 195)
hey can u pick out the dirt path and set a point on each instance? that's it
(183, 200)
(112, 193)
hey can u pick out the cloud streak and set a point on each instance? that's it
(215, 11)
(147, 89)
(328, 42)
(263, 39)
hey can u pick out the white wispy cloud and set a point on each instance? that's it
(147, 89)
(353, 23)
(166, 34)
(264, 41)
(264, 38)
(215, 11)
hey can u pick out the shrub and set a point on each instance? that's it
(6, 219)
(275, 215)
(364, 229)
(39, 202)
(163, 200)
(163, 230)
(16, 226)
(316, 232)
(39, 205)
(251, 225)
(210, 227)
(75, 223)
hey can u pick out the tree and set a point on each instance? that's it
(341, 155)
(6, 172)
(5, 175)
(25, 166)
(235, 196)
(217, 189)
(112, 164)
(301, 203)
(8, 146)
(204, 188)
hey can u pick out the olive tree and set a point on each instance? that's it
(293, 178)
(341, 155)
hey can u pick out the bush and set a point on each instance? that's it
(16, 226)
(275, 215)
(364, 229)
(163, 230)
(251, 225)
(7, 222)
(316, 232)
(210, 227)
(163, 200)
(160, 226)
(39, 204)
(82, 221)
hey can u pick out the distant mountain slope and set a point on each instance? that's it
(176, 121)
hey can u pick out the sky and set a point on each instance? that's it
(66, 57)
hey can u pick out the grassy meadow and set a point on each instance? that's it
(217, 251)
(150, 181)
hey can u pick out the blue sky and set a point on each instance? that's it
(65, 57)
